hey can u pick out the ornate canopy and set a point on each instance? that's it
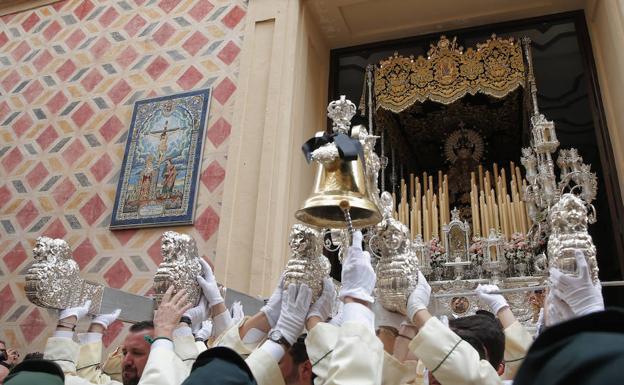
(448, 73)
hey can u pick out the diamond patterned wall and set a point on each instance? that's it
(69, 75)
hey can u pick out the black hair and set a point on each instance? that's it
(33, 356)
(140, 326)
(485, 327)
(298, 350)
(474, 341)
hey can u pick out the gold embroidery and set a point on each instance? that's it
(448, 73)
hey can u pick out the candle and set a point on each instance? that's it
(434, 217)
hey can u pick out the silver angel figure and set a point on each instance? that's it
(54, 281)
(397, 268)
(307, 264)
(568, 222)
(179, 267)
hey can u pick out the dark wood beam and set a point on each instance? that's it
(8, 7)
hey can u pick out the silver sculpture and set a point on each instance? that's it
(575, 172)
(307, 264)
(340, 112)
(373, 162)
(397, 267)
(179, 267)
(457, 244)
(54, 281)
(568, 223)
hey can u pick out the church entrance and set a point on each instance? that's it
(443, 150)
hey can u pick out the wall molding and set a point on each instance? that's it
(8, 7)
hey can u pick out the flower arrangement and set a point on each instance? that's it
(476, 251)
(438, 257)
(517, 251)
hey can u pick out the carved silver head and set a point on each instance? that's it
(304, 240)
(51, 250)
(569, 214)
(179, 267)
(307, 264)
(170, 245)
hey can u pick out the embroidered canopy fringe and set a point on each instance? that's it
(448, 73)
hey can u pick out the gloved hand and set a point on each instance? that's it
(323, 306)
(79, 312)
(205, 331)
(198, 313)
(273, 307)
(106, 319)
(338, 316)
(539, 325)
(237, 312)
(357, 239)
(579, 292)
(496, 302)
(358, 276)
(419, 299)
(556, 311)
(208, 284)
(295, 306)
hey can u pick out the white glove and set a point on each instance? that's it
(358, 276)
(237, 312)
(273, 307)
(496, 302)
(419, 299)
(295, 306)
(106, 319)
(557, 311)
(579, 292)
(323, 306)
(198, 313)
(357, 239)
(539, 325)
(338, 317)
(79, 311)
(204, 332)
(208, 283)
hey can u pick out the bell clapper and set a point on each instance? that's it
(345, 207)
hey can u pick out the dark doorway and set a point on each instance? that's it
(568, 94)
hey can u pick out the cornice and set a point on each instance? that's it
(8, 7)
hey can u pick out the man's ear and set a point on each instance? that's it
(305, 373)
(501, 368)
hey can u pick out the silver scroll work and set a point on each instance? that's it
(307, 264)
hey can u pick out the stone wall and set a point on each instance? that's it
(70, 73)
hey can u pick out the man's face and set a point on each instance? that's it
(135, 353)
(295, 374)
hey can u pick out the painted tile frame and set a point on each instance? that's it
(158, 182)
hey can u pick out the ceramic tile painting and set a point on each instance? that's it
(158, 181)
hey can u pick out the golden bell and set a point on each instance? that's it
(335, 182)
